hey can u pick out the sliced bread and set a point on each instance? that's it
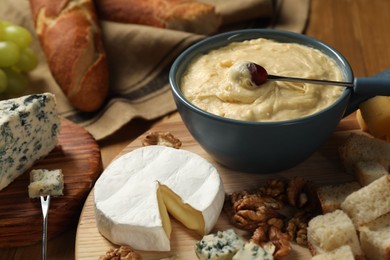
(375, 238)
(362, 147)
(341, 253)
(368, 171)
(331, 196)
(330, 231)
(369, 202)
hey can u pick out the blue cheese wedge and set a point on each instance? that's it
(222, 245)
(29, 127)
(252, 251)
(46, 182)
(138, 193)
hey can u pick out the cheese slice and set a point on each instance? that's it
(29, 126)
(138, 192)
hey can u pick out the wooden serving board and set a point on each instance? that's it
(323, 167)
(78, 155)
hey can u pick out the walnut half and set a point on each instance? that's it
(121, 253)
(161, 138)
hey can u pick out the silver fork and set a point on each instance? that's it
(45, 202)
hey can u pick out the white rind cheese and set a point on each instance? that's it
(29, 126)
(46, 182)
(135, 193)
(222, 245)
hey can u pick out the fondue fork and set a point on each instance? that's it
(45, 203)
(376, 85)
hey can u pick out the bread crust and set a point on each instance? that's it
(185, 15)
(70, 38)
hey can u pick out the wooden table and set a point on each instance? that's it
(359, 29)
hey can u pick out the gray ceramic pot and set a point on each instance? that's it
(261, 147)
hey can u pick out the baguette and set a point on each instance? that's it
(70, 38)
(185, 15)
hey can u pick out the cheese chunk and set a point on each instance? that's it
(220, 246)
(29, 127)
(138, 191)
(252, 251)
(45, 182)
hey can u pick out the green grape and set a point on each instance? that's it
(16, 34)
(28, 60)
(9, 54)
(3, 24)
(3, 81)
(17, 82)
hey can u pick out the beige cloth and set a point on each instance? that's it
(140, 58)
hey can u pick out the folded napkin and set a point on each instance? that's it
(140, 58)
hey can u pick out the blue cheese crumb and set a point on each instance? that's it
(252, 251)
(222, 245)
(46, 182)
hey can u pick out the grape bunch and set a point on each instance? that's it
(16, 58)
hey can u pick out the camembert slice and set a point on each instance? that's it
(138, 191)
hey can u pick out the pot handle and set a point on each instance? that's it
(366, 88)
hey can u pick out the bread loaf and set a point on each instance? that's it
(70, 38)
(185, 15)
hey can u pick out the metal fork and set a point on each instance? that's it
(45, 202)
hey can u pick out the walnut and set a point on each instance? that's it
(236, 196)
(281, 242)
(273, 188)
(285, 207)
(276, 222)
(260, 235)
(121, 253)
(297, 230)
(294, 190)
(272, 238)
(161, 138)
(251, 210)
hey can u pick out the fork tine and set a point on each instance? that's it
(45, 203)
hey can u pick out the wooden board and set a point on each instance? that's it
(78, 155)
(323, 167)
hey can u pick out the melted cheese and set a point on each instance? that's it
(218, 83)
